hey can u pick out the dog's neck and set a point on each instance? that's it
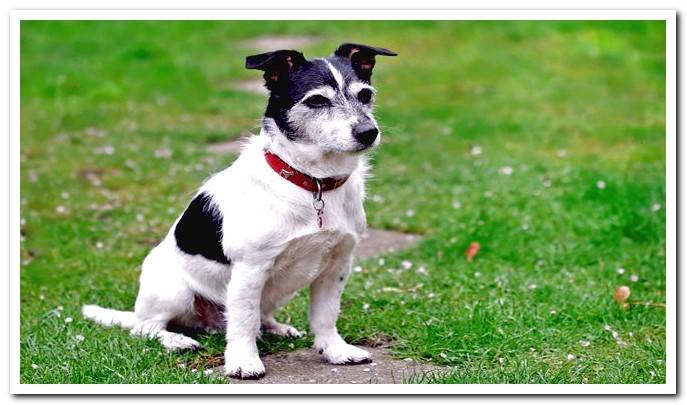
(308, 158)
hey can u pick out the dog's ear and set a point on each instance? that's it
(277, 65)
(362, 57)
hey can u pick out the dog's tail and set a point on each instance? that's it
(109, 317)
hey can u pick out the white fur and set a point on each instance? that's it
(271, 236)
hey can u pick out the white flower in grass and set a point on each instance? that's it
(381, 262)
(410, 213)
(422, 270)
(377, 198)
(571, 357)
(366, 307)
(357, 269)
(585, 343)
(208, 371)
(506, 170)
(620, 270)
(561, 153)
(99, 245)
(476, 150)
(655, 207)
(634, 278)
(501, 360)
(34, 366)
(139, 217)
(406, 264)
(130, 164)
(61, 209)
(80, 338)
(68, 319)
(456, 204)
(105, 150)
(601, 184)
(64, 195)
(532, 286)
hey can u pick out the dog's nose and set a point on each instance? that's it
(365, 134)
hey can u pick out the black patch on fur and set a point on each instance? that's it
(199, 231)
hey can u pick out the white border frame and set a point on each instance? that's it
(669, 16)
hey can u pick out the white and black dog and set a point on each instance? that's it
(285, 215)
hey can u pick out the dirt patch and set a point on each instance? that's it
(273, 42)
(378, 241)
(308, 367)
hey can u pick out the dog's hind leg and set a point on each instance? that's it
(173, 341)
(274, 296)
(164, 297)
(155, 314)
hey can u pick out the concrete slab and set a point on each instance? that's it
(375, 242)
(267, 43)
(233, 146)
(307, 367)
(255, 86)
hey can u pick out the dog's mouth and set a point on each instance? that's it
(362, 148)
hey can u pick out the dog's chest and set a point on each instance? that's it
(304, 257)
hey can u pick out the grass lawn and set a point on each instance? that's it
(542, 141)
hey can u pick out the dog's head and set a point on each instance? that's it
(323, 102)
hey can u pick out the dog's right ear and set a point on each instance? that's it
(277, 65)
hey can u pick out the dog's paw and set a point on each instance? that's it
(282, 329)
(243, 368)
(177, 342)
(345, 354)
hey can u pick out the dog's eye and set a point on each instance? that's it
(317, 101)
(364, 96)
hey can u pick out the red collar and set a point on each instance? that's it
(301, 179)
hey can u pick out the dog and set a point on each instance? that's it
(285, 215)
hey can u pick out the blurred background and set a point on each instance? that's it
(542, 141)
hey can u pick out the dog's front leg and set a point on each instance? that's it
(325, 298)
(241, 359)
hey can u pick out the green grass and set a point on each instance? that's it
(564, 104)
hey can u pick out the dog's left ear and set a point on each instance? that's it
(277, 65)
(362, 57)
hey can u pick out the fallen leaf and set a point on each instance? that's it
(471, 251)
(621, 295)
